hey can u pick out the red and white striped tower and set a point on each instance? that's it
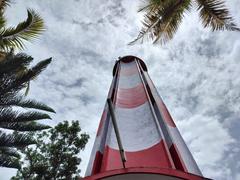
(153, 147)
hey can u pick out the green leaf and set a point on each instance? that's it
(56, 154)
(26, 30)
(24, 126)
(17, 101)
(10, 140)
(8, 115)
(2, 21)
(161, 22)
(9, 151)
(8, 161)
(163, 18)
(36, 105)
(214, 14)
(26, 76)
(4, 4)
(27, 89)
(12, 63)
(152, 5)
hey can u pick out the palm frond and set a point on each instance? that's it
(9, 151)
(4, 4)
(24, 126)
(152, 5)
(171, 19)
(8, 115)
(37, 69)
(214, 14)
(35, 105)
(17, 65)
(21, 81)
(11, 63)
(160, 25)
(10, 140)
(21, 102)
(27, 89)
(9, 161)
(27, 30)
(2, 22)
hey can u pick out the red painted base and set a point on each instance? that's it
(147, 158)
(145, 173)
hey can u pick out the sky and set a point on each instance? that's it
(196, 73)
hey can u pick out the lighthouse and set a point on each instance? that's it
(137, 137)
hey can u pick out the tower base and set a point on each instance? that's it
(144, 174)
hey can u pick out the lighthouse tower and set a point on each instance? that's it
(137, 138)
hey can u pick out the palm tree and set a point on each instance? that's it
(14, 76)
(13, 37)
(163, 17)
(11, 102)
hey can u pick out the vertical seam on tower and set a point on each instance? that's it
(112, 95)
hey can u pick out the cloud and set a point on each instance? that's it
(197, 73)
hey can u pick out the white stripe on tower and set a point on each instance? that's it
(137, 128)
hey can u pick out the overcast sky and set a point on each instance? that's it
(197, 73)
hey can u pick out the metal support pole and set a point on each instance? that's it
(114, 122)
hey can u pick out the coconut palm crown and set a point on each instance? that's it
(12, 102)
(163, 17)
(15, 75)
(14, 37)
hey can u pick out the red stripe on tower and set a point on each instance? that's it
(132, 97)
(145, 158)
(97, 163)
(128, 70)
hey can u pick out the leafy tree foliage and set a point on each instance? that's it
(13, 37)
(163, 17)
(14, 76)
(56, 154)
